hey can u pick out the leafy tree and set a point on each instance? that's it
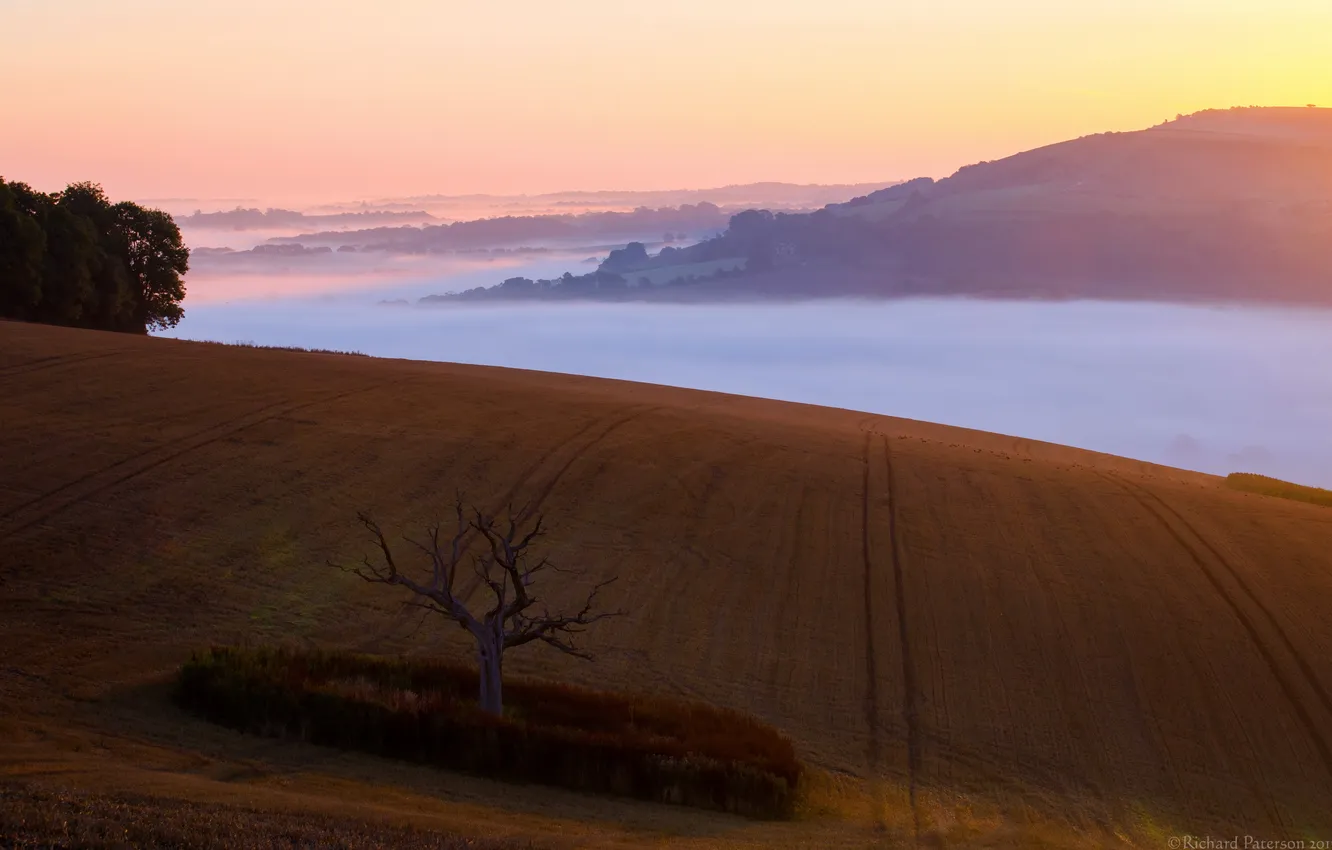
(22, 247)
(74, 258)
(157, 259)
(110, 304)
(68, 292)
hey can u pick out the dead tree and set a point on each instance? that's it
(508, 568)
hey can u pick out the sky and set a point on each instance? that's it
(306, 102)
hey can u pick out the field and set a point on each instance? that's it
(973, 639)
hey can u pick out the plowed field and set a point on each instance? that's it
(972, 637)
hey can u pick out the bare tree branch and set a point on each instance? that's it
(508, 569)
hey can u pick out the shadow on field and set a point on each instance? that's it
(144, 717)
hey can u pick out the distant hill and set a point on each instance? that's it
(1251, 161)
(770, 195)
(1222, 204)
(527, 230)
(256, 219)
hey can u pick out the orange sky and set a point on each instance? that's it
(298, 101)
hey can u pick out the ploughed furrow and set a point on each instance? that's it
(524, 479)
(1300, 660)
(533, 505)
(39, 509)
(748, 591)
(1283, 681)
(132, 461)
(548, 486)
(910, 711)
(41, 363)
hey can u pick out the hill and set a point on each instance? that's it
(975, 638)
(1223, 204)
(1253, 162)
(1233, 204)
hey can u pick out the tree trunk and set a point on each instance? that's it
(490, 661)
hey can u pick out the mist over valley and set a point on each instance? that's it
(1218, 389)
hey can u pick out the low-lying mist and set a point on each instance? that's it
(1216, 389)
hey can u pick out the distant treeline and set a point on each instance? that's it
(75, 258)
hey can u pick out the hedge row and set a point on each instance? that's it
(642, 747)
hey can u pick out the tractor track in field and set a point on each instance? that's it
(41, 363)
(874, 749)
(786, 612)
(99, 481)
(124, 462)
(533, 505)
(1300, 660)
(874, 754)
(549, 486)
(1142, 495)
(910, 710)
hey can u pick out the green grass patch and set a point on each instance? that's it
(1251, 483)
(649, 748)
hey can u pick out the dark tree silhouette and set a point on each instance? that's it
(22, 251)
(157, 259)
(74, 258)
(508, 567)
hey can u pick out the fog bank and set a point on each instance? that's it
(1217, 389)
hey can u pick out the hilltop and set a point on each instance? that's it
(1258, 161)
(973, 637)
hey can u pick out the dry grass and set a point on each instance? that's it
(1281, 489)
(43, 818)
(1071, 645)
(651, 748)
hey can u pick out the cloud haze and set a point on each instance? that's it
(1218, 389)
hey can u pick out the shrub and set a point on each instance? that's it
(424, 711)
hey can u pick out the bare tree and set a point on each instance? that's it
(507, 567)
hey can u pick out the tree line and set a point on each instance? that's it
(75, 258)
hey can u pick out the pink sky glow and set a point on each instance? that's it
(302, 102)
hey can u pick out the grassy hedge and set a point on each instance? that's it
(1276, 487)
(424, 711)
